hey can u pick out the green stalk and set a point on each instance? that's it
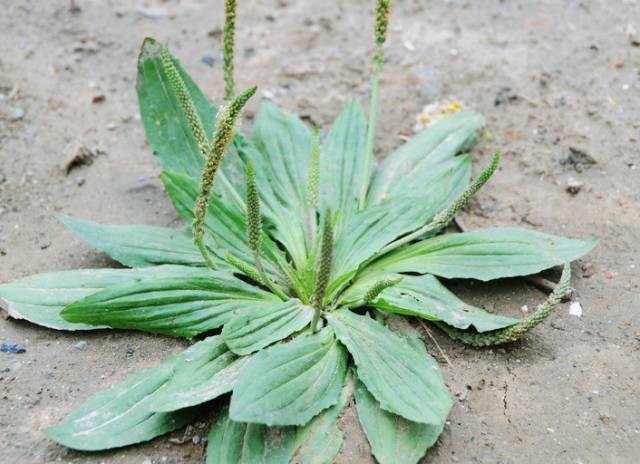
(324, 270)
(313, 187)
(228, 45)
(383, 9)
(227, 121)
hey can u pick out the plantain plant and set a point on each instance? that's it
(293, 274)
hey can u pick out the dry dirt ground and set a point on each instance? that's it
(559, 84)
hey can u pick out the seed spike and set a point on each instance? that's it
(226, 122)
(517, 331)
(324, 269)
(376, 289)
(314, 169)
(243, 267)
(186, 102)
(443, 218)
(228, 46)
(383, 11)
(254, 219)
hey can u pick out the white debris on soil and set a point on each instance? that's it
(575, 309)
(433, 112)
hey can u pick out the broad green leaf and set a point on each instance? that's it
(484, 254)
(405, 169)
(341, 162)
(425, 297)
(280, 152)
(178, 305)
(260, 325)
(392, 438)
(224, 222)
(208, 370)
(137, 245)
(320, 440)
(289, 383)
(40, 298)
(166, 127)
(371, 229)
(402, 380)
(233, 442)
(119, 416)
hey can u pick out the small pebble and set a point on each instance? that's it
(12, 348)
(81, 345)
(18, 113)
(208, 60)
(575, 309)
(130, 351)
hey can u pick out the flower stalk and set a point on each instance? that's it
(313, 186)
(226, 124)
(383, 10)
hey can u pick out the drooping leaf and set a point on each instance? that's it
(40, 298)
(119, 416)
(138, 245)
(177, 305)
(260, 325)
(402, 380)
(320, 440)
(289, 383)
(405, 169)
(484, 254)
(233, 442)
(280, 151)
(224, 222)
(341, 163)
(392, 438)
(208, 370)
(424, 296)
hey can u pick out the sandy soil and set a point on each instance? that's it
(559, 84)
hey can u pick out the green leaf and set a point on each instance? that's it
(166, 127)
(224, 222)
(289, 383)
(371, 229)
(392, 438)
(40, 298)
(208, 371)
(233, 442)
(405, 169)
(178, 305)
(343, 157)
(280, 153)
(484, 254)
(260, 325)
(137, 245)
(320, 440)
(404, 381)
(425, 297)
(119, 416)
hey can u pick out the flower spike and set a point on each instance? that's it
(186, 102)
(324, 269)
(226, 123)
(228, 45)
(379, 287)
(517, 331)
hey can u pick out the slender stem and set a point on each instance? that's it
(203, 251)
(371, 130)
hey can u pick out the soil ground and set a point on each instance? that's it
(559, 84)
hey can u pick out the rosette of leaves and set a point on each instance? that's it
(296, 277)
